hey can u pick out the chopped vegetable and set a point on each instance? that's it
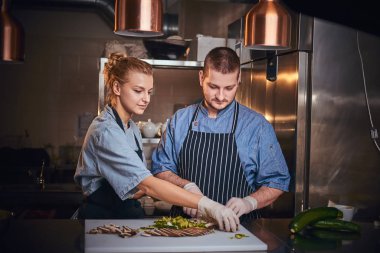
(178, 222)
(239, 236)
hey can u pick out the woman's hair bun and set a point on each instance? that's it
(113, 59)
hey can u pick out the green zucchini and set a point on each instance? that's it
(307, 217)
(337, 225)
(334, 235)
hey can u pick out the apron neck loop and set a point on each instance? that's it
(234, 123)
(195, 115)
(236, 114)
(118, 119)
(120, 124)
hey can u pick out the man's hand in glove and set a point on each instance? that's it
(192, 187)
(225, 217)
(242, 206)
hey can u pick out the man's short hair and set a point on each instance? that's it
(221, 59)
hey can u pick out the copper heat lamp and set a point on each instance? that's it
(267, 26)
(12, 36)
(138, 18)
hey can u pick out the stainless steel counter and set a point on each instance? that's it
(68, 236)
(276, 234)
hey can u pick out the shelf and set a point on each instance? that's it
(174, 63)
(163, 63)
(150, 140)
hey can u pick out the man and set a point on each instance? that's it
(220, 148)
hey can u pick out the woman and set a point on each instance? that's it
(112, 169)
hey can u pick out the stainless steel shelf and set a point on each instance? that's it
(174, 63)
(164, 63)
(150, 140)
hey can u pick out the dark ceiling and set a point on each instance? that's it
(361, 15)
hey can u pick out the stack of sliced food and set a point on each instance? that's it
(122, 231)
(165, 226)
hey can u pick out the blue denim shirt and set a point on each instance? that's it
(108, 152)
(259, 150)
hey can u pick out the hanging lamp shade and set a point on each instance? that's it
(138, 18)
(267, 26)
(12, 36)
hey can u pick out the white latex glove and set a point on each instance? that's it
(192, 187)
(225, 217)
(242, 206)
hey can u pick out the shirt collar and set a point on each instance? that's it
(109, 111)
(227, 109)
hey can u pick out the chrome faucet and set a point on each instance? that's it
(41, 179)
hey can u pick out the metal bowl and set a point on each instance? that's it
(166, 49)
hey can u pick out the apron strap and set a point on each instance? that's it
(118, 119)
(120, 124)
(234, 122)
(236, 115)
(195, 115)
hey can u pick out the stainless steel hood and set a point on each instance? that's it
(105, 8)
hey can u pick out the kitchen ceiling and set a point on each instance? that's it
(359, 15)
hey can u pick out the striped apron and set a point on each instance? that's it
(211, 161)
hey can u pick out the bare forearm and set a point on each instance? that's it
(172, 178)
(168, 192)
(266, 196)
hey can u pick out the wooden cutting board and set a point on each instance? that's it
(217, 241)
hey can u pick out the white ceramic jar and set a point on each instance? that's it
(149, 129)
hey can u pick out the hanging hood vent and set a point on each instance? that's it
(104, 8)
(11, 36)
